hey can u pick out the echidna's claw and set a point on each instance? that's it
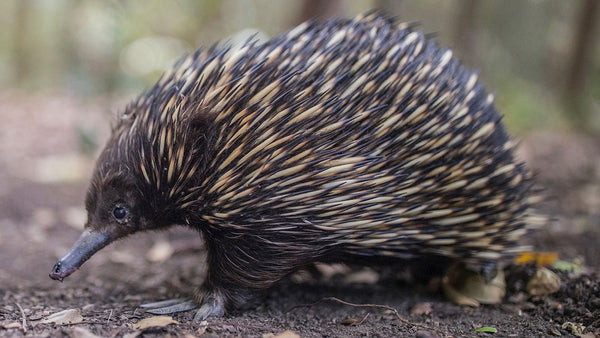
(209, 310)
(164, 303)
(170, 306)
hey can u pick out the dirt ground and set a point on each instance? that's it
(46, 158)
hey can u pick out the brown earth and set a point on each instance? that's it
(45, 160)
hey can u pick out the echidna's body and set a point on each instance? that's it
(352, 137)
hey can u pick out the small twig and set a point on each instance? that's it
(337, 300)
(24, 317)
(109, 316)
(363, 320)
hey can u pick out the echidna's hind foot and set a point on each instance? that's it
(170, 306)
(213, 303)
(464, 286)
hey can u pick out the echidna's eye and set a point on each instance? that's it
(120, 213)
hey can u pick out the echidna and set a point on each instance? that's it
(349, 138)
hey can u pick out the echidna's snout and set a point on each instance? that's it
(88, 244)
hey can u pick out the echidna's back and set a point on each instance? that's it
(358, 134)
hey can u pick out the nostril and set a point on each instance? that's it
(57, 267)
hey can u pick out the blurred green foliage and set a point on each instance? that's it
(97, 47)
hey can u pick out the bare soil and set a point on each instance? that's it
(45, 160)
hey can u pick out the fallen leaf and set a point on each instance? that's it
(539, 258)
(425, 334)
(554, 332)
(487, 329)
(574, 267)
(11, 325)
(421, 309)
(353, 321)
(287, 334)
(156, 321)
(88, 307)
(575, 328)
(203, 326)
(80, 332)
(70, 316)
(544, 282)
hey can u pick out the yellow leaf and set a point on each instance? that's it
(539, 258)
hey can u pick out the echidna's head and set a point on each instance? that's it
(115, 209)
(142, 180)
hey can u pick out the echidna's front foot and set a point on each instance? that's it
(170, 306)
(213, 303)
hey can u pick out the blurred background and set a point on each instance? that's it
(541, 56)
(67, 67)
